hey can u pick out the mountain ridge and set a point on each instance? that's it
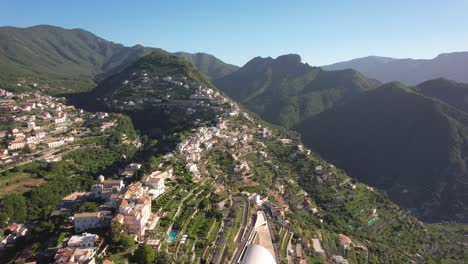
(208, 64)
(60, 60)
(409, 71)
(398, 133)
(285, 90)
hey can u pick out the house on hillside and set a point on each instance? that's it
(318, 248)
(91, 220)
(344, 241)
(154, 181)
(134, 213)
(105, 188)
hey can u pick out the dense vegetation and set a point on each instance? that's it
(407, 144)
(76, 172)
(449, 92)
(285, 91)
(55, 58)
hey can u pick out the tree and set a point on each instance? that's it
(145, 255)
(86, 207)
(13, 208)
(205, 203)
(162, 258)
(43, 230)
(127, 241)
(116, 232)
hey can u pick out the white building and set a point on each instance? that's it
(16, 145)
(155, 181)
(135, 213)
(53, 143)
(85, 221)
(84, 240)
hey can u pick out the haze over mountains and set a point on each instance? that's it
(409, 141)
(453, 66)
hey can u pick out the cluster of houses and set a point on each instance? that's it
(79, 249)
(33, 121)
(129, 205)
(172, 91)
(190, 149)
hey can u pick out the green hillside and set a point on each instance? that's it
(62, 60)
(450, 92)
(58, 60)
(208, 64)
(285, 90)
(145, 77)
(155, 104)
(411, 146)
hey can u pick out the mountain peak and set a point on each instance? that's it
(289, 59)
(438, 81)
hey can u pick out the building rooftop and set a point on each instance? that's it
(87, 214)
(85, 238)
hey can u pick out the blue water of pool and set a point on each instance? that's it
(172, 235)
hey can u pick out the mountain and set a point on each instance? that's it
(453, 66)
(155, 91)
(54, 57)
(285, 90)
(62, 60)
(450, 92)
(408, 144)
(208, 64)
(144, 78)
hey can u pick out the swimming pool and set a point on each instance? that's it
(172, 235)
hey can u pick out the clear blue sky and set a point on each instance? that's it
(321, 31)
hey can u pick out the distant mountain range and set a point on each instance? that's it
(72, 60)
(285, 90)
(453, 66)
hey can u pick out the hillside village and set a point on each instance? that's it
(128, 202)
(35, 126)
(139, 91)
(234, 191)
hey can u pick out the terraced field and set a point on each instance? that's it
(18, 183)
